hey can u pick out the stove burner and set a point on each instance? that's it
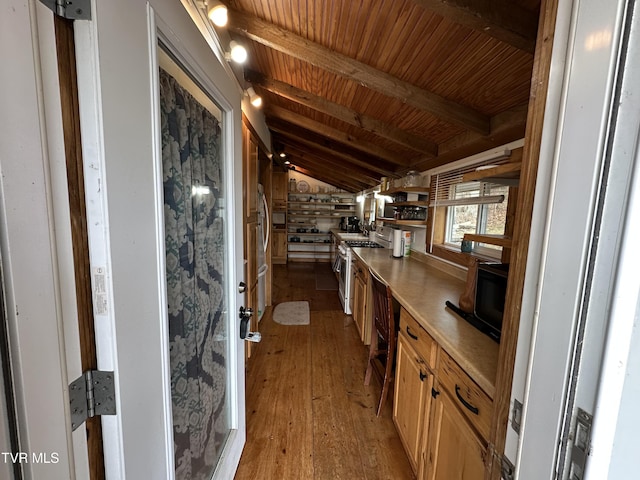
(363, 243)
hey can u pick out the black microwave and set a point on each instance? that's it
(491, 289)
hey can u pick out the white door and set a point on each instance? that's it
(179, 382)
(582, 262)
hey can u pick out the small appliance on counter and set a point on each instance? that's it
(353, 224)
(491, 289)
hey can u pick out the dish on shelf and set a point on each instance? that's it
(302, 186)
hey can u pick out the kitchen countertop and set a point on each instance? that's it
(423, 290)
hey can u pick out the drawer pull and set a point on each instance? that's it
(415, 337)
(470, 407)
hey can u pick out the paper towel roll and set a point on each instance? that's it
(398, 244)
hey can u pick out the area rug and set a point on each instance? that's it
(326, 281)
(291, 313)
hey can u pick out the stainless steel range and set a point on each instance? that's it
(363, 243)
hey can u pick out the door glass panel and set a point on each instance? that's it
(196, 271)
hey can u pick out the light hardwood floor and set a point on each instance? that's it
(309, 415)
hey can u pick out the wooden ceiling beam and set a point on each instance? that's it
(346, 114)
(334, 134)
(502, 20)
(327, 161)
(299, 47)
(505, 127)
(330, 178)
(323, 167)
(336, 183)
(331, 149)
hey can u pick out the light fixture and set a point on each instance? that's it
(254, 98)
(238, 53)
(217, 13)
(287, 162)
(282, 154)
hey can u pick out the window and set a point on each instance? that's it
(483, 218)
(467, 207)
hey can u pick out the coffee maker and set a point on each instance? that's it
(353, 224)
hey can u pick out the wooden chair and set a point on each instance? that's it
(383, 337)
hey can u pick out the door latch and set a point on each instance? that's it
(245, 316)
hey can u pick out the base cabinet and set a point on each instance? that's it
(412, 400)
(279, 248)
(361, 310)
(441, 415)
(454, 451)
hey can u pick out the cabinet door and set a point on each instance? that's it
(279, 252)
(454, 450)
(358, 303)
(412, 399)
(279, 190)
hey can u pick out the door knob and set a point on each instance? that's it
(242, 287)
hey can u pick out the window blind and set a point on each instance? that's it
(442, 185)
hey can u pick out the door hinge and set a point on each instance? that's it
(507, 470)
(91, 394)
(70, 9)
(581, 444)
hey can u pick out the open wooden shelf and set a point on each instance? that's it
(500, 240)
(418, 190)
(507, 174)
(409, 204)
(413, 223)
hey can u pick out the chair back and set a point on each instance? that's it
(382, 307)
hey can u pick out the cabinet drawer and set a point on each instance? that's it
(473, 402)
(418, 338)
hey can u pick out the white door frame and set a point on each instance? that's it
(576, 137)
(118, 94)
(35, 238)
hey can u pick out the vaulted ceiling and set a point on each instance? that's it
(354, 90)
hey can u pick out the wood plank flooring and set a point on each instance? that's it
(309, 415)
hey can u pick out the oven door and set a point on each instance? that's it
(344, 280)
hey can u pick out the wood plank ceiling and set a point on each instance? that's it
(356, 90)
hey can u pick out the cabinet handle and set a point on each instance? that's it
(415, 337)
(434, 392)
(470, 407)
(422, 376)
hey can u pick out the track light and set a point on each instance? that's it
(254, 98)
(217, 13)
(238, 53)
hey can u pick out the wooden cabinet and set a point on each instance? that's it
(412, 399)
(279, 247)
(280, 184)
(442, 416)
(361, 303)
(454, 450)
